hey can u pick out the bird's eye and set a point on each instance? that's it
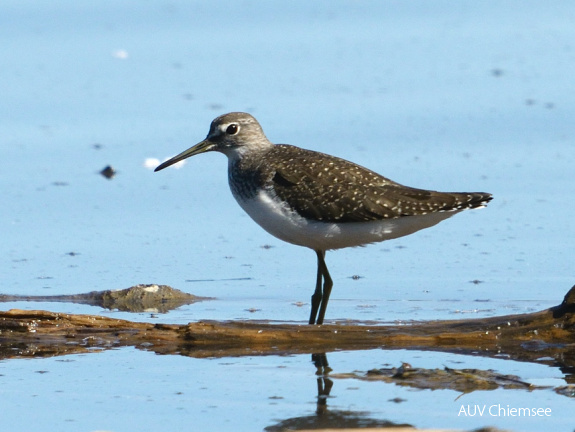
(232, 129)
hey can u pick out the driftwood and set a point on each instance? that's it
(546, 336)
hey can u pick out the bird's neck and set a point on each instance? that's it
(246, 173)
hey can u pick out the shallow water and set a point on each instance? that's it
(128, 389)
(476, 96)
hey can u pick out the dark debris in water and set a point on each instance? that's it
(108, 172)
(568, 390)
(461, 380)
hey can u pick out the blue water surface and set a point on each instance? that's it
(432, 94)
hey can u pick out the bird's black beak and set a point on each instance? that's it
(201, 147)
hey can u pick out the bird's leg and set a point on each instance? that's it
(316, 297)
(327, 285)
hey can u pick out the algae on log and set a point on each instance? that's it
(547, 336)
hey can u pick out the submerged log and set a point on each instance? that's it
(546, 336)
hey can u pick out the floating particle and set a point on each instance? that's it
(108, 172)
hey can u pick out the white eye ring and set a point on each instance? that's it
(233, 129)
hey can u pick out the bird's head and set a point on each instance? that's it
(233, 134)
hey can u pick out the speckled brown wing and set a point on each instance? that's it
(329, 189)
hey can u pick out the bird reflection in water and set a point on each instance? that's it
(324, 384)
(326, 418)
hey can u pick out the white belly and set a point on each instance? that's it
(280, 221)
